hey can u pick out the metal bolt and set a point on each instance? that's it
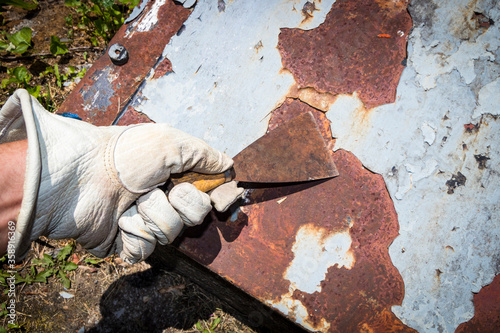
(118, 54)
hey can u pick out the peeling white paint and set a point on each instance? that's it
(488, 100)
(293, 307)
(418, 143)
(148, 21)
(315, 250)
(429, 133)
(210, 93)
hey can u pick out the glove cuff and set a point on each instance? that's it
(17, 122)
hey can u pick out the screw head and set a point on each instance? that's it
(118, 54)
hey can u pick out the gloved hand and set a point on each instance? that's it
(98, 185)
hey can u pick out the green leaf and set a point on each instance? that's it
(81, 73)
(198, 326)
(72, 3)
(22, 36)
(34, 91)
(28, 279)
(94, 41)
(21, 48)
(65, 280)
(97, 10)
(2, 329)
(70, 266)
(130, 3)
(68, 249)
(56, 47)
(69, 20)
(21, 73)
(94, 261)
(215, 323)
(42, 276)
(4, 46)
(13, 326)
(101, 27)
(58, 76)
(48, 70)
(19, 3)
(19, 278)
(46, 260)
(105, 3)
(6, 82)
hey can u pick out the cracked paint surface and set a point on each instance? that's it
(359, 48)
(315, 251)
(209, 94)
(435, 147)
(226, 78)
(106, 89)
(487, 305)
(346, 223)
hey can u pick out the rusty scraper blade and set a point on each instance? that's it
(293, 152)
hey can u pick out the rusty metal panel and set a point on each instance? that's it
(435, 147)
(431, 147)
(107, 88)
(361, 47)
(487, 310)
(315, 251)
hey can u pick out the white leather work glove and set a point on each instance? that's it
(98, 185)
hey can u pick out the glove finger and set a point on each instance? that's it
(145, 156)
(191, 204)
(196, 155)
(137, 241)
(225, 195)
(159, 216)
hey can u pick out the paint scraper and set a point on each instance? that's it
(293, 152)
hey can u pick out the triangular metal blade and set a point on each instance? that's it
(293, 152)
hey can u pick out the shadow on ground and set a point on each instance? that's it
(152, 301)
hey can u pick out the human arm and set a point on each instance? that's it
(98, 185)
(13, 165)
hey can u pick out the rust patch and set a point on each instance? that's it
(308, 11)
(385, 321)
(130, 116)
(344, 54)
(456, 180)
(252, 246)
(291, 108)
(472, 128)
(487, 310)
(318, 100)
(481, 161)
(106, 88)
(163, 68)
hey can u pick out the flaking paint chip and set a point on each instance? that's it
(281, 200)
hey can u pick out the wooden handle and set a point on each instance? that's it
(203, 182)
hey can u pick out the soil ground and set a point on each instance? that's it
(111, 296)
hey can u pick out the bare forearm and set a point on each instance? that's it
(13, 167)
